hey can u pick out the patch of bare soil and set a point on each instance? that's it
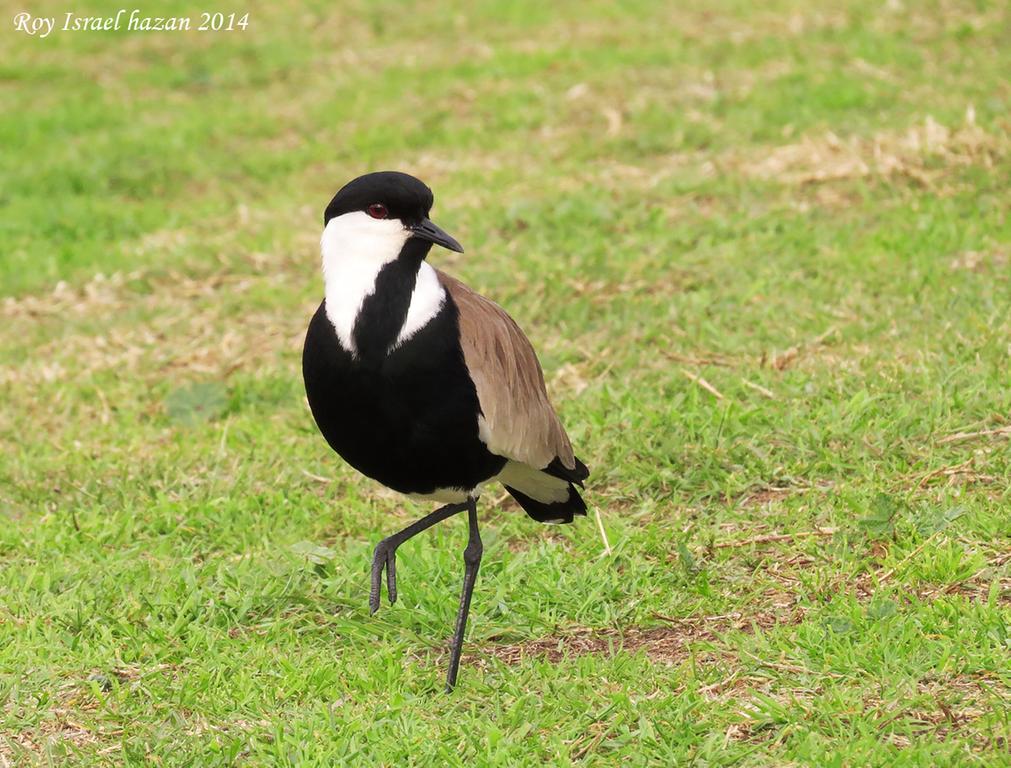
(667, 644)
(60, 728)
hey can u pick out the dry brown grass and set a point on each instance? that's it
(179, 325)
(923, 153)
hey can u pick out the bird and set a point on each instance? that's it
(422, 384)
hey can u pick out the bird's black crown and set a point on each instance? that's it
(403, 197)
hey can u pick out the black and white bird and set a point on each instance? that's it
(424, 385)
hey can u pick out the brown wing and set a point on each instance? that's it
(517, 420)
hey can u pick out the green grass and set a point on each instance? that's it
(803, 208)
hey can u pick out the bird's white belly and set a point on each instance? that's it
(446, 495)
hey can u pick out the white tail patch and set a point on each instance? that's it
(538, 485)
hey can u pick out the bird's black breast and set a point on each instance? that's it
(407, 419)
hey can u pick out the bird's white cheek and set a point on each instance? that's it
(357, 236)
(355, 247)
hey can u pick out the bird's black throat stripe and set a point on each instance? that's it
(384, 311)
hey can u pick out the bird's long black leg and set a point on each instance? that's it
(471, 561)
(385, 555)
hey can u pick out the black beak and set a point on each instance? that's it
(426, 230)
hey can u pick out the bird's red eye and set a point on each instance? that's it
(377, 211)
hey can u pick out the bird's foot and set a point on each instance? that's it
(385, 556)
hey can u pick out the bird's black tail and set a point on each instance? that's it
(557, 512)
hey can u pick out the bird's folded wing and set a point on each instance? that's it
(517, 420)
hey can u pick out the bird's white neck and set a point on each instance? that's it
(355, 249)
